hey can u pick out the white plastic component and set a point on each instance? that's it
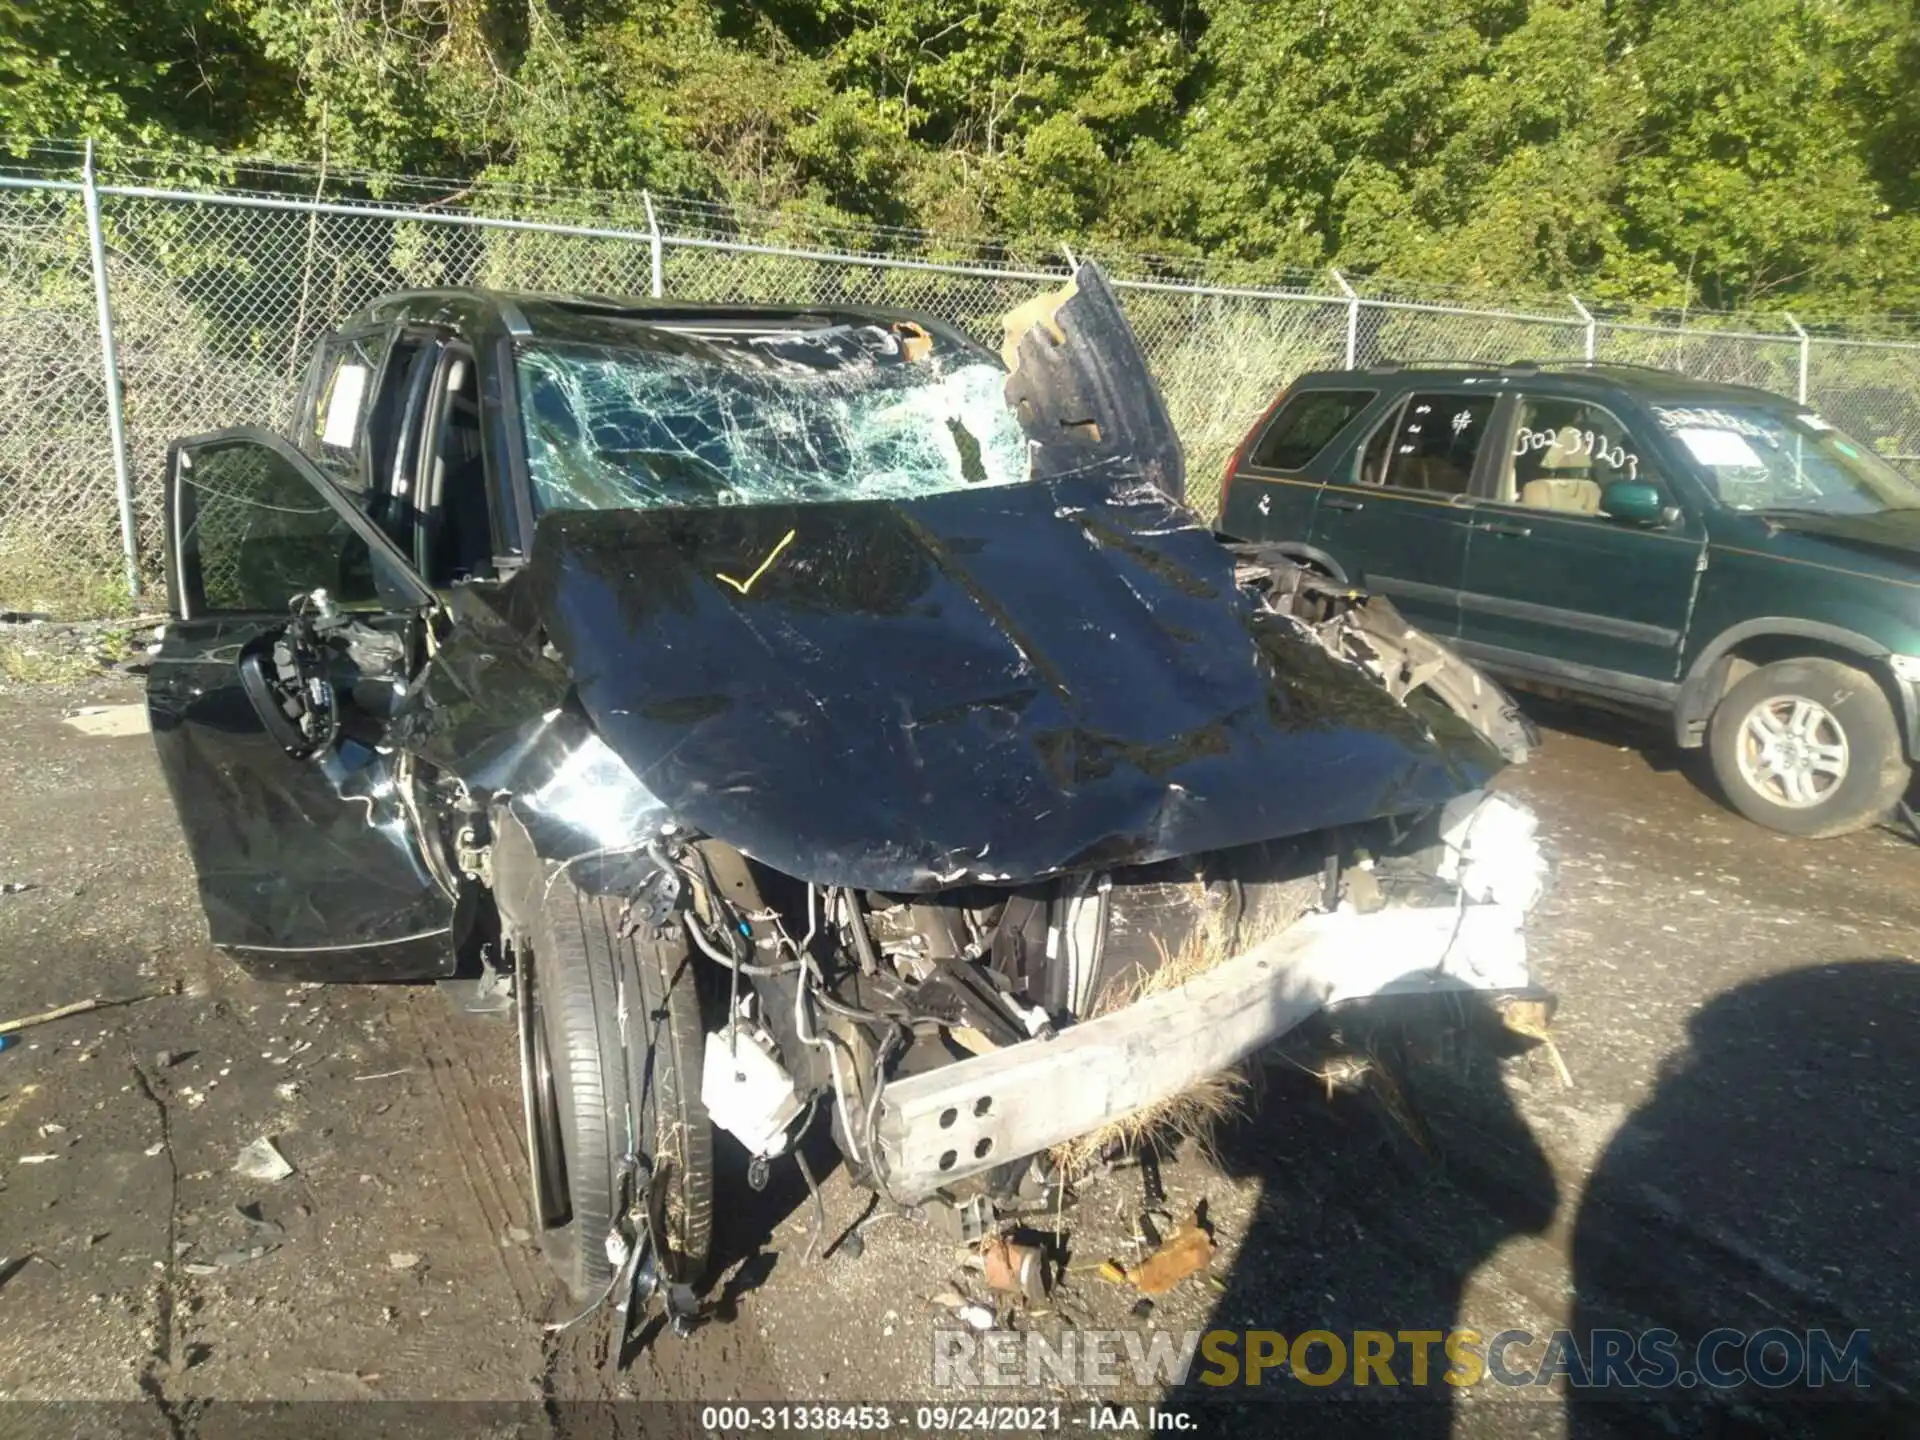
(1492, 852)
(748, 1092)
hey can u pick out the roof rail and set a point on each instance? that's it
(1388, 367)
(1580, 362)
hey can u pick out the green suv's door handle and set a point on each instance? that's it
(1502, 527)
(1342, 502)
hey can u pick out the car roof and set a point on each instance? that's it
(592, 318)
(1597, 378)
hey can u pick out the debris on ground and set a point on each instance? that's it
(402, 1259)
(1015, 1268)
(16, 887)
(978, 1317)
(1530, 1019)
(1185, 1252)
(37, 1159)
(229, 1259)
(78, 1007)
(262, 1160)
(263, 1228)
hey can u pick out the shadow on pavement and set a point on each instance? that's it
(1378, 1204)
(1770, 1182)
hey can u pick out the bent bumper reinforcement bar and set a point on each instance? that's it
(950, 1123)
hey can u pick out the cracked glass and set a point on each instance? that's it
(841, 413)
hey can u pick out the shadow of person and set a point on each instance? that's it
(1377, 1205)
(1768, 1184)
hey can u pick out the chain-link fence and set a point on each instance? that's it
(216, 296)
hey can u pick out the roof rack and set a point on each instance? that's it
(1388, 367)
(1580, 362)
(1515, 367)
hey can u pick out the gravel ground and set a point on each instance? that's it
(1739, 1018)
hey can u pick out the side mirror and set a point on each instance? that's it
(283, 677)
(1636, 503)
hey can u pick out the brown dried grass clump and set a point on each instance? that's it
(1191, 1114)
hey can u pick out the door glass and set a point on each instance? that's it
(255, 532)
(1433, 445)
(1305, 426)
(1564, 453)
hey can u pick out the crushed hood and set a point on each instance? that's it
(987, 685)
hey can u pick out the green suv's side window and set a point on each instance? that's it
(1305, 426)
(1430, 446)
(1565, 453)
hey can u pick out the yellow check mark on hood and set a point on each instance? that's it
(743, 586)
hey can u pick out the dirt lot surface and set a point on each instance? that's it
(1739, 1018)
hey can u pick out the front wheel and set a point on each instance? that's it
(594, 1094)
(1809, 748)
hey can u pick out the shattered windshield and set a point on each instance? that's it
(1781, 460)
(843, 413)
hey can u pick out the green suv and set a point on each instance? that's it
(1717, 555)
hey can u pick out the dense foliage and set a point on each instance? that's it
(1723, 153)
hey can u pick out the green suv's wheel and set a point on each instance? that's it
(1808, 747)
(583, 1083)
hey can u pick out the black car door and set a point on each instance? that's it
(294, 628)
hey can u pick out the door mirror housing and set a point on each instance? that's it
(283, 675)
(1636, 503)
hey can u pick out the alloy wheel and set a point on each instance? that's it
(1792, 751)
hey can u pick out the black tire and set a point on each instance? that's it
(669, 1044)
(580, 966)
(1854, 729)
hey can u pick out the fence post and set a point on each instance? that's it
(1353, 317)
(653, 244)
(110, 368)
(1586, 315)
(1806, 348)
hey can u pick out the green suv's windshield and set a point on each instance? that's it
(847, 413)
(1768, 458)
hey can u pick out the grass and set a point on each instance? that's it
(1222, 375)
(1193, 1113)
(23, 665)
(49, 576)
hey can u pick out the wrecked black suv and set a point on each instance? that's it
(792, 714)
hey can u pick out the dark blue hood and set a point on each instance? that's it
(991, 685)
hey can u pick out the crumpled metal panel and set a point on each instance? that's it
(992, 685)
(1082, 390)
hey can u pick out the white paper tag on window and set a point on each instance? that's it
(1815, 422)
(1721, 449)
(342, 419)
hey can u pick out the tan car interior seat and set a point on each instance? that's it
(1565, 482)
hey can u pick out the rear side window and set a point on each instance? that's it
(1305, 426)
(1430, 446)
(342, 386)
